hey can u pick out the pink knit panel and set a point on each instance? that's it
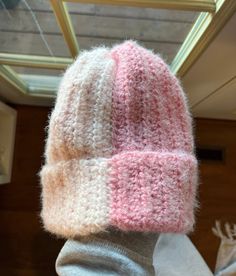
(149, 107)
(127, 108)
(168, 96)
(153, 174)
(153, 192)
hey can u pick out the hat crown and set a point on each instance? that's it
(119, 99)
(150, 108)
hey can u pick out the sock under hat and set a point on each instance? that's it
(119, 150)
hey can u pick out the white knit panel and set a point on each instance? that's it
(80, 124)
(93, 114)
(76, 197)
(60, 142)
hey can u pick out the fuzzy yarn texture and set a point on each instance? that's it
(119, 149)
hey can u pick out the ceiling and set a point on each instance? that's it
(209, 83)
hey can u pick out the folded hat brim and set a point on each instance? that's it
(133, 191)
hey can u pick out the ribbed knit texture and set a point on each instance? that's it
(119, 150)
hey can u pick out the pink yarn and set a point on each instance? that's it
(150, 179)
(152, 192)
(120, 148)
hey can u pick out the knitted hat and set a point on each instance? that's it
(119, 151)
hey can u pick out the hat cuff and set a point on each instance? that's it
(133, 191)
(153, 191)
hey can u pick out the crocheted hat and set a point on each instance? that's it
(119, 151)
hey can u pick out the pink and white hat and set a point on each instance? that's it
(119, 151)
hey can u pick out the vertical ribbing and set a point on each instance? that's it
(80, 124)
(161, 118)
(102, 126)
(175, 119)
(179, 114)
(93, 120)
(119, 105)
(75, 197)
(152, 191)
(130, 89)
(134, 136)
(153, 107)
(61, 127)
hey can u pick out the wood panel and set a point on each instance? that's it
(27, 250)
(161, 30)
(29, 43)
(217, 190)
(222, 99)
(35, 45)
(105, 26)
(104, 10)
